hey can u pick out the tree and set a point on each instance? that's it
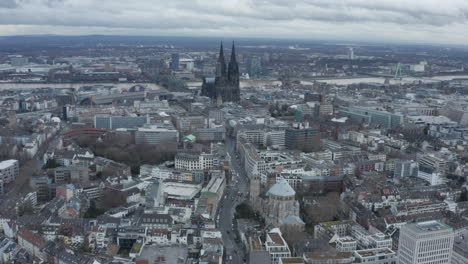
(25, 209)
(4, 122)
(244, 210)
(463, 196)
(85, 141)
(120, 148)
(325, 209)
(51, 164)
(106, 172)
(113, 198)
(85, 248)
(93, 211)
(135, 170)
(293, 235)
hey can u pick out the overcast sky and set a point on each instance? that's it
(432, 21)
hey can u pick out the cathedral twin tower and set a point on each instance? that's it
(224, 87)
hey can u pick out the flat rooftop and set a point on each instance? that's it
(7, 163)
(327, 225)
(167, 255)
(276, 238)
(292, 260)
(256, 244)
(183, 192)
(374, 252)
(346, 239)
(428, 226)
(328, 254)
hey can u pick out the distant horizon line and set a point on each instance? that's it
(279, 39)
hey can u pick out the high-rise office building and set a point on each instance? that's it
(406, 168)
(430, 175)
(175, 61)
(429, 242)
(438, 164)
(254, 66)
(154, 67)
(302, 138)
(351, 53)
(460, 248)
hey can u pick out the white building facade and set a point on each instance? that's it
(429, 242)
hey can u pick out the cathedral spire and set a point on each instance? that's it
(221, 53)
(233, 75)
(233, 67)
(233, 52)
(221, 65)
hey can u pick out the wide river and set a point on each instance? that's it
(405, 80)
(121, 86)
(243, 83)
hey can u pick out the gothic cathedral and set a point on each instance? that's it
(224, 87)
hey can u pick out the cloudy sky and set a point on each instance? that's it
(431, 21)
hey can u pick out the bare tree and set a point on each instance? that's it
(293, 235)
(325, 209)
(113, 198)
(85, 141)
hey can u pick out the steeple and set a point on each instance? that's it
(233, 67)
(221, 65)
(221, 53)
(233, 53)
(233, 77)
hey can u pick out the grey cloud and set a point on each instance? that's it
(345, 11)
(8, 4)
(238, 16)
(232, 11)
(53, 3)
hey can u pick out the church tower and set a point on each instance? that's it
(233, 76)
(254, 192)
(221, 65)
(224, 87)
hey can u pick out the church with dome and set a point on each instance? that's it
(277, 204)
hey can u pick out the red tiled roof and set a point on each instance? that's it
(160, 231)
(32, 238)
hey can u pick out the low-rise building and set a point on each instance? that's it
(376, 256)
(330, 256)
(345, 244)
(156, 135)
(276, 246)
(186, 161)
(72, 174)
(9, 170)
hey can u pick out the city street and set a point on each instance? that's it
(237, 188)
